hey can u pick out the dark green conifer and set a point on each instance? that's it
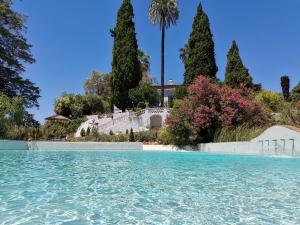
(285, 86)
(198, 55)
(131, 136)
(237, 75)
(126, 72)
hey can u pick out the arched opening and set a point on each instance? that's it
(155, 122)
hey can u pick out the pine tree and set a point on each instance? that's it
(198, 55)
(126, 72)
(285, 85)
(237, 74)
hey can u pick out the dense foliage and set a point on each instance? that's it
(285, 86)
(76, 106)
(98, 85)
(209, 107)
(272, 100)
(296, 93)
(199, 53)
(14, 53)
(144, 93)
(237, 75)
(58, 129)
(180, 92)
(15, 121)
(126, 71)
(165, 13)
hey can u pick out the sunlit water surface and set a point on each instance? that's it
(147, 188)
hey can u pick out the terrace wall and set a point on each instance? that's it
(83, 146)
(13, 145)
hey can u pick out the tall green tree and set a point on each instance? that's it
(14, 53)
(237, 74)
(165, 13)
(285, 86)
(198, 55)
(126, 71)
(98, 85)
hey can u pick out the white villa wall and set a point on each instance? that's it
(120, 122)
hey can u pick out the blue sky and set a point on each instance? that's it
(71, 38)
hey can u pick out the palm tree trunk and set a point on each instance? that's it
(162, 66)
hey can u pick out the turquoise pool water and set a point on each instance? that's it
(147, 188)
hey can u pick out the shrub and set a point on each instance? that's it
(88, 131)
(82, 132)
(95, 133)
(146, 136)
(131, 136)
(272, 100)
(141, 105)
(57, 129)
(144, 93)
(290, 115)
(240, 133)
(296, 93)
(209, 107)
(75, 106)
(111, 133)
(165, 137)
(180, 92)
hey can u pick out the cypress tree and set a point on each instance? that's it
(198, 55)
(237, 74)
(126, 72)
(285, 86)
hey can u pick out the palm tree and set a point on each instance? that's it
(165, 13)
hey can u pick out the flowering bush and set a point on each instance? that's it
(210, 106)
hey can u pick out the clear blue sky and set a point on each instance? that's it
(71, 39)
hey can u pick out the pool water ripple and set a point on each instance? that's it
(147, 188)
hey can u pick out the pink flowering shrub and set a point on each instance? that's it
(210, 106)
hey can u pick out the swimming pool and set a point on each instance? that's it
(147, 188)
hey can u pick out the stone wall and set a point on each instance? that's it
(13, 145)
(83, 146)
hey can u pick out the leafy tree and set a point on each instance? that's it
(237, 75)
(82, 132)
(75, 106)
(165, 13)
(126, 71)
(146, 94)
(145, 68)
(180, 92)
(296, 93)
(98, 85)
(14, 53)
(14, 115)
(285, 86)
(199, 53)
